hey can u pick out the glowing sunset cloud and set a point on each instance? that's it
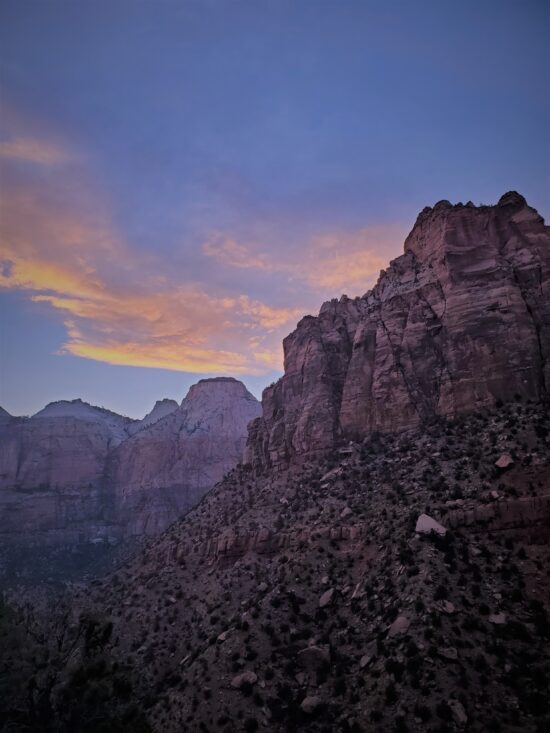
(329, 263)
(124, 306)
(120, 307)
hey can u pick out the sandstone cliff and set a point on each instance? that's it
(117, 426)
(458, 322)
(160, 410)
(73, 474)
(4, 415)
(163, 471)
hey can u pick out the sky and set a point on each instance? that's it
(181, 182)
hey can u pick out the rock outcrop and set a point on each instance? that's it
(75, 474)
(160, 410)
(161, 472)
(51, 479)
(117, 426)
(458, 322)
(4, 415)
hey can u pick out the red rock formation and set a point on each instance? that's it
(162, 471)
(71, 474)
(458, 322)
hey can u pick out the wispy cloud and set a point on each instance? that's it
(33, 151)
(328, 262)
(129, 306)
(122, 306)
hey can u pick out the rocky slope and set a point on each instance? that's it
(458, 322)
(313, 599)
(73, 476)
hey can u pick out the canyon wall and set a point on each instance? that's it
(458, 322)
(76, 474)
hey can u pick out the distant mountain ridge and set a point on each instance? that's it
(117, 424)
(74, 474)
(161, 409)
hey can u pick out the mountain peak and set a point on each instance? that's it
(214, 388)
(161, 409)
(447, 227)
(512, 198)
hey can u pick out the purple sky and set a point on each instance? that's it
(182, 181)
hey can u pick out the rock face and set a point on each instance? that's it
(160, 410)
(51, 479)
(458, 322)
(75, 474)
(117, 426)
(161, 472)
(4, 415)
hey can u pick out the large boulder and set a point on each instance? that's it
(426, 525)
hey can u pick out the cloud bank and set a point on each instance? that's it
(130, 306)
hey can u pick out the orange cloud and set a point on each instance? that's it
(351, 261)
(230, 252)
(328, 263)
(123, 306)
(120, 307)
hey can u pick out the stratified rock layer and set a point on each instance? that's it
(74, 474)
(160, 410)
(163, 471)
(458, 322)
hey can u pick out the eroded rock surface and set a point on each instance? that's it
(161, 472)
(459, 322)
(74, 474)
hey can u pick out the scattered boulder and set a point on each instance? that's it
(346, 512)
(426, 525)
(311, 704)
(505, 461)
(459, 714)
(497, 618)
(314, 657)
(334, 473)
(248, 677)
(399, 626)
(301, 678)
(368, 656)
(326, 598)
(448, 652)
